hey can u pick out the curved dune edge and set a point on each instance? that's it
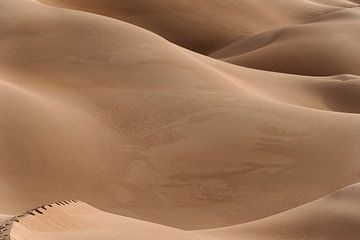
(78, 220)
(183, 23)
(334, 217)
(325, 46)
(338, 93)
(6, 225)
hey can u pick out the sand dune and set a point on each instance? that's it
(205, 25)
(114, 112)
(339, 3)
(81, 221)
(333, 217)
(336, 216)
(186, 111)
(322, 47)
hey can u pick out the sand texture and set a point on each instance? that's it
(200, 119)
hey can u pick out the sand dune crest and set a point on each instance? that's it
(205, 25)
(323, 47)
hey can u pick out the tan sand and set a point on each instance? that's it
(336, 216)
(322, 47)
(205, 25)
(3, 218)
(97, 109)
(81, 221)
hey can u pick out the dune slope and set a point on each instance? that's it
(205, 25)
(82, 221)
(333, 217)
(101, 110)
(323, 47)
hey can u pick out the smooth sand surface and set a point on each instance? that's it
(206, 25)
(81, 221)
(323, 47)
(336, 216)
(117, 114)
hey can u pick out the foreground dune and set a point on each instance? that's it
(119, 117)
(334, 217)
(80, 221)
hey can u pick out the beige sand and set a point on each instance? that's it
(95, 108)
(206, 25)
(81, 221)
(322, 47)
(3, 218)
(336, 216)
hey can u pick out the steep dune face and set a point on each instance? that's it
(204, 25)
(334, 217)
(322, 47)
(119, 117)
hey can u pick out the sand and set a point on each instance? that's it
(205, 25)
(82, 221)
(3, 218)
(322, 47)
(335, 216)
(112, 104)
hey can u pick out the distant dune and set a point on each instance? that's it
(322, 47)
(162, 111)
(206, 25)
